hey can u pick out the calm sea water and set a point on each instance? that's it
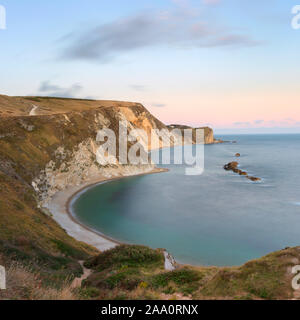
(218, 218)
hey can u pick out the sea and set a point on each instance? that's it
(218, 218)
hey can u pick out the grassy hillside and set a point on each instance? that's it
(42, 259)
(136, 272)
(28, 144)
(27, 234)
(21, 106)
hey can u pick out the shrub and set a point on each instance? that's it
(125, 255)
(180, 277)
(87, 293)
(66, 249)
(128, 280)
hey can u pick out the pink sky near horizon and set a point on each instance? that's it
(242, 109)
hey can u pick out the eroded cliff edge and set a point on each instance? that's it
(46, 145)
(51, 151)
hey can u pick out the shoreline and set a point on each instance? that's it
(60, 209)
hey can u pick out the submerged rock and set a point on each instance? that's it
(231, 166)
(253, 178)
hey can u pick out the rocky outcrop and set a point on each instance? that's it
(208, 133)
(254, 178)
(56, 146)
(80, 167)
(170, 263)
(48, 145)
(233, 166)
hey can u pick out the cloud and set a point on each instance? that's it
(287, 122)
(181, 27)
(158, 105)
(137, 87)
(209, 2)
(53, 90)
(46, 86)
(258, 121)
(232, 40)
(241, 123)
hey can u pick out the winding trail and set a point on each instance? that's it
(78, 281)
(33, 111)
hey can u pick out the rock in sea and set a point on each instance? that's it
(231, 166)
(254, 178)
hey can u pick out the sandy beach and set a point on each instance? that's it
(59, 206)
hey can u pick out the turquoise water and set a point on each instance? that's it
(218, 218)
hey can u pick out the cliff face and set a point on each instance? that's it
(46, 145)
(55, 149)
(208, 132)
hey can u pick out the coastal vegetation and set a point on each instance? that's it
(46, 153)
(137, 272)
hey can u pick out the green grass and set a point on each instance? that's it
(127, 256)
(179, 277)
(139, 272)
(129, 268)
(32, 238)
(128, 280)
(67, 249)
(124, 268)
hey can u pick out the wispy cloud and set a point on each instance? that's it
(242, 123)
(180, 27)
(158, 105)
(209, 2)
(53, 90)
(259, 121)
(287, 122)
(137, 87)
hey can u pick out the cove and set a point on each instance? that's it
(218, 218)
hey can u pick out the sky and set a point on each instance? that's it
(231, 64)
